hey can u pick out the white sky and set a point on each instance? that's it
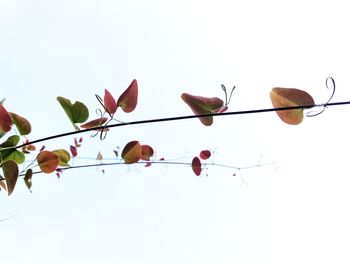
(297, 213)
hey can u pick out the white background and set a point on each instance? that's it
(293, 211)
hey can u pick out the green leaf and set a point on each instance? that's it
(22, 124)
(63, 157)
(10, 170)
(77, 112)
(12, 153)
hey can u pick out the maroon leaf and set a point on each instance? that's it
(94, 123)
(5, 120)
(196, 166)
(73, 150)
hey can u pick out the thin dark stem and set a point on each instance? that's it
(184, 118)
(152, 162)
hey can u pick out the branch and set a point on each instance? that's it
(178, 118)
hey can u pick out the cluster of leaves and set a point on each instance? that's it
(12, 154)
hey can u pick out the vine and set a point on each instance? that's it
(288, 103)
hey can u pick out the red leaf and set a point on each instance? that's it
(94, 123)
(73, 150)
(196, 166)
(5, 120)
(48, 161)
(203, 105)
(109, 103)
(128, 100)
(147, 152)
(132, 152)
(205, 154)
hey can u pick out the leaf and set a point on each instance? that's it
(48, 161)
(11, 153)
(28, 179)
(5, 120)
(203, 105)
(109, 103)
(132, 152)
(77, 112)
(128, 100)
(196, 166)
(94, 123)
(288, 97)
(205, 154)
(10, 170)
(63, 157)
(73, 150)
(147, 152)
(22, 124)
(99, 156)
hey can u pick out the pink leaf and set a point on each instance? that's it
(205, 154)
(128, 100)
(203, 105)
(109, 103)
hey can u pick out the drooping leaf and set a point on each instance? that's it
(11, 153)
(132, 152)
(288, 97)
(196, 166)
(94, 123)
(109, 102)
(77, 112)
(22, 124)
(63, 157)
(203, 105)
(147, 152)
(5, 120)
(48, 161)
(28, 179)
(73, 150)
(10, 170)
(128, 100)
(205, 154)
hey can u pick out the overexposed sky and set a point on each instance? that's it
(293, 211)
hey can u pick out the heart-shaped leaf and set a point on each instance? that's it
(196, 166)
(10, 170)
(109, 103)
(22, 124)
(5, 120)
(203, 105)
(288, 97)
(205, 154)
(48, 161)
(63, 157)
(94, 123)
(147, 152)
(128, 100)
(132, 152)
(77, 112)
(11, 153)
